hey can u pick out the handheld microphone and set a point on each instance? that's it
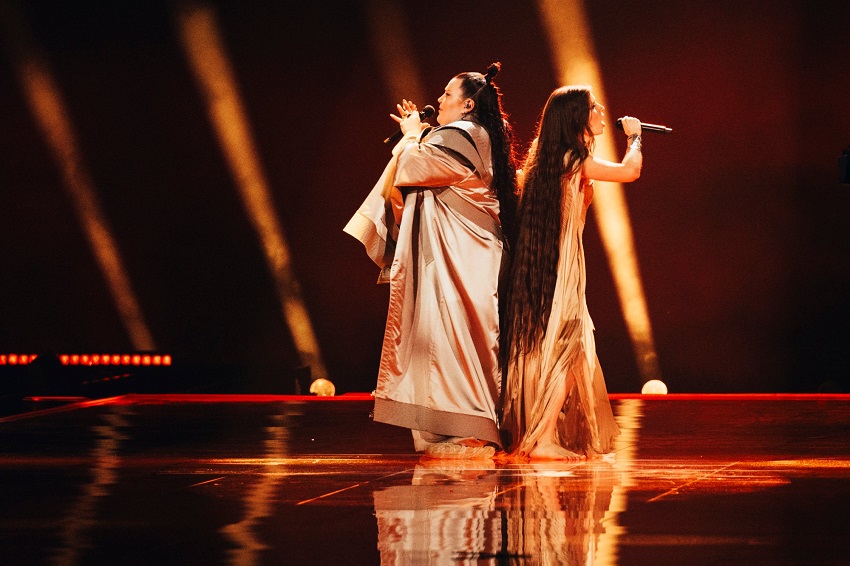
(424, 114)
(647, 127)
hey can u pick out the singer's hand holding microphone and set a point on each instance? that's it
(644, 127)
(634, 128)
(631, 126)
(409, 120)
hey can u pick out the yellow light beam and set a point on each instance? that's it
(390, 38)
(204, 47)
(572, 48)
(46, 104)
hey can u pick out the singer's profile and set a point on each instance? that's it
(555, 403)
(437, 223)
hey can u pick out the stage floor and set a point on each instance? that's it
(218, 479)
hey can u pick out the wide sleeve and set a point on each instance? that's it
(376, 222)
(447, 156)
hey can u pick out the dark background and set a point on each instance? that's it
(741, 225)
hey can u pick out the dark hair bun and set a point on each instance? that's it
(492, 71)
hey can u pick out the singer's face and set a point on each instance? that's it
(451, 103)
(597, 117)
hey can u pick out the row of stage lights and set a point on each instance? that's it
(92, 359)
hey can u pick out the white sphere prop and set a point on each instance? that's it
(322, 388)
(654, 387)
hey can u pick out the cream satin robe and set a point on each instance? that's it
(567, 351)
(439, 371)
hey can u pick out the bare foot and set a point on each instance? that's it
(552, 451)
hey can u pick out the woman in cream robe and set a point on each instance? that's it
(433, 224)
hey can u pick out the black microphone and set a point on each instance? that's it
(647, 127)
(424, 114)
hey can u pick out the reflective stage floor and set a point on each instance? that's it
(218, 479)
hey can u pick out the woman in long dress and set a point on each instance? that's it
(438, 220)
(555, 401)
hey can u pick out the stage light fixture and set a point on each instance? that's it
(93, 359)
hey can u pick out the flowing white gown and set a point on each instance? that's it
(566, 352)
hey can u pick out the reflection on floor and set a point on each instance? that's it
(170, 479)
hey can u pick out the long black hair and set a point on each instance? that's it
(488, 112)
(563, 142)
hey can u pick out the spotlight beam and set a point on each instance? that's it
(574, 55)
(207, 56)
(390, 38)
(46, 103)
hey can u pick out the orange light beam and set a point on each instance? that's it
(207, 56)
(46, 103)
(391, 43)
(575, 58)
